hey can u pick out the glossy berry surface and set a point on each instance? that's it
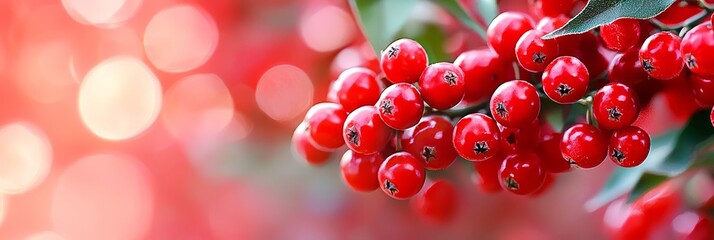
(403, 61)
(584, 145)
(430, 141)
(661, 56)
(697, 47)
(360, 171)
(504, 32)
(357, 87)
(400, 106)
(703, 89)
(515, 103)
(521, 173)
(566, 80)
(615, 106)
(548, 151)
(621, 35)
(364, 132)
(523, 138)
(401, 175)
(534, 53)
(481, 73)
(629, 146)
(437, 202)
(477, 137)
(442, 85)
(305, 149)
(486, 177)
(626, 68)
(325, 121)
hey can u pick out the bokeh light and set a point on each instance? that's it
(327, 29)
(180, 38)
(119, 98)
(101, 13)
(25, 157)
(284, 92)
(106, 196)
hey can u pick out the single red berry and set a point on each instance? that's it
(518, 139)
(566, 80)
(442, 85)
(697, 48)
(360, 171)
(661, 56)
(515, 103)
(481, 73)
(476, 137)
(357, 87)
(521, 173)
(364, 132)
(621, 34)
(305, 149)
(629, 146)
(552, 7)
(568, 44)
(325, 121)
(615, 106)
(548, 150)
(400, 106)
(584, 145)
(403, 61)
(626, 68)
(430, 141)
(487, 178)
(437, 202)
(534, 53)
(703, 89)
(505, 30)
(401, 176)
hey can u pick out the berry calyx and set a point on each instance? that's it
(357, 87)
(629, 146)
(584, 146)
(400, 106)
(534, 53)
(364, 132)
(360, 171)
(515, 103)
(401, 176)
(505, 30)
(437, 202)
(565, 80)
(476, 137)
(661, 56)
(442, 85)
(621, 34)
(403, 61)
(521, 173)
(615, 106)
(430, 141)
(325, 121)
(523, 138)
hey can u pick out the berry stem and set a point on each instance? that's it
(516, 71)
(459, 112)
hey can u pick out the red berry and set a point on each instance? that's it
(626, 68)
(595, 57)
(703, 89)
(481, 73)
(401, 106)
(360, 171)
(523, 138)
(567, 45)
(401, 176)
(629, 146)
(357, 87)
(548, 150)
(325, 121)
(621, 34)
(476, 137)
(487, 174)
(403, 61)
(703, 229)
(584, 145)
(522, 173)
(534, 53)
(661, 57)
(430, 141)
(442, 85)
(515, 104)
(305, 149)
(697, 49)
(364, 132)
(552, 7)
(437, 202)
(566, 80)
(615, 106)
(505, 30)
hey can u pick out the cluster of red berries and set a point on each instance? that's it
(395, 134)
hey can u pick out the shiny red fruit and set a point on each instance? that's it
(430, 141)
(305, 149)
(325, 121)
(566, 80)
(401, 176)
(697, 48)
(515, 104)
(523, 138)
(703, 89)
(615, 106)
(548, 150)
(584, 145)
(477, 137)
(364, 132)
(626, 68)
(661, 56)
(629, 146)
(357, 87)
(534, 53)
(481, 73)
(442, 85)
(437, 202)
(621, 35)
(403, 61)
(521, 173)
(401, 106)
(552, 7)
(487, 174)
(505, 30)
(360, 171)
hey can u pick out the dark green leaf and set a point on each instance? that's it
(381, 20)
(433, 39)
(457, 10)
(697, 131)
(647, 182)
(488, 9)
(600, 12)
(574, 113)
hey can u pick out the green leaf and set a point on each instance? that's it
(457, 10)
(600, 12)
(433, 39)
(381, 20)
(573, 114)
(647, 181)
(488, 9)
(697, 131)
